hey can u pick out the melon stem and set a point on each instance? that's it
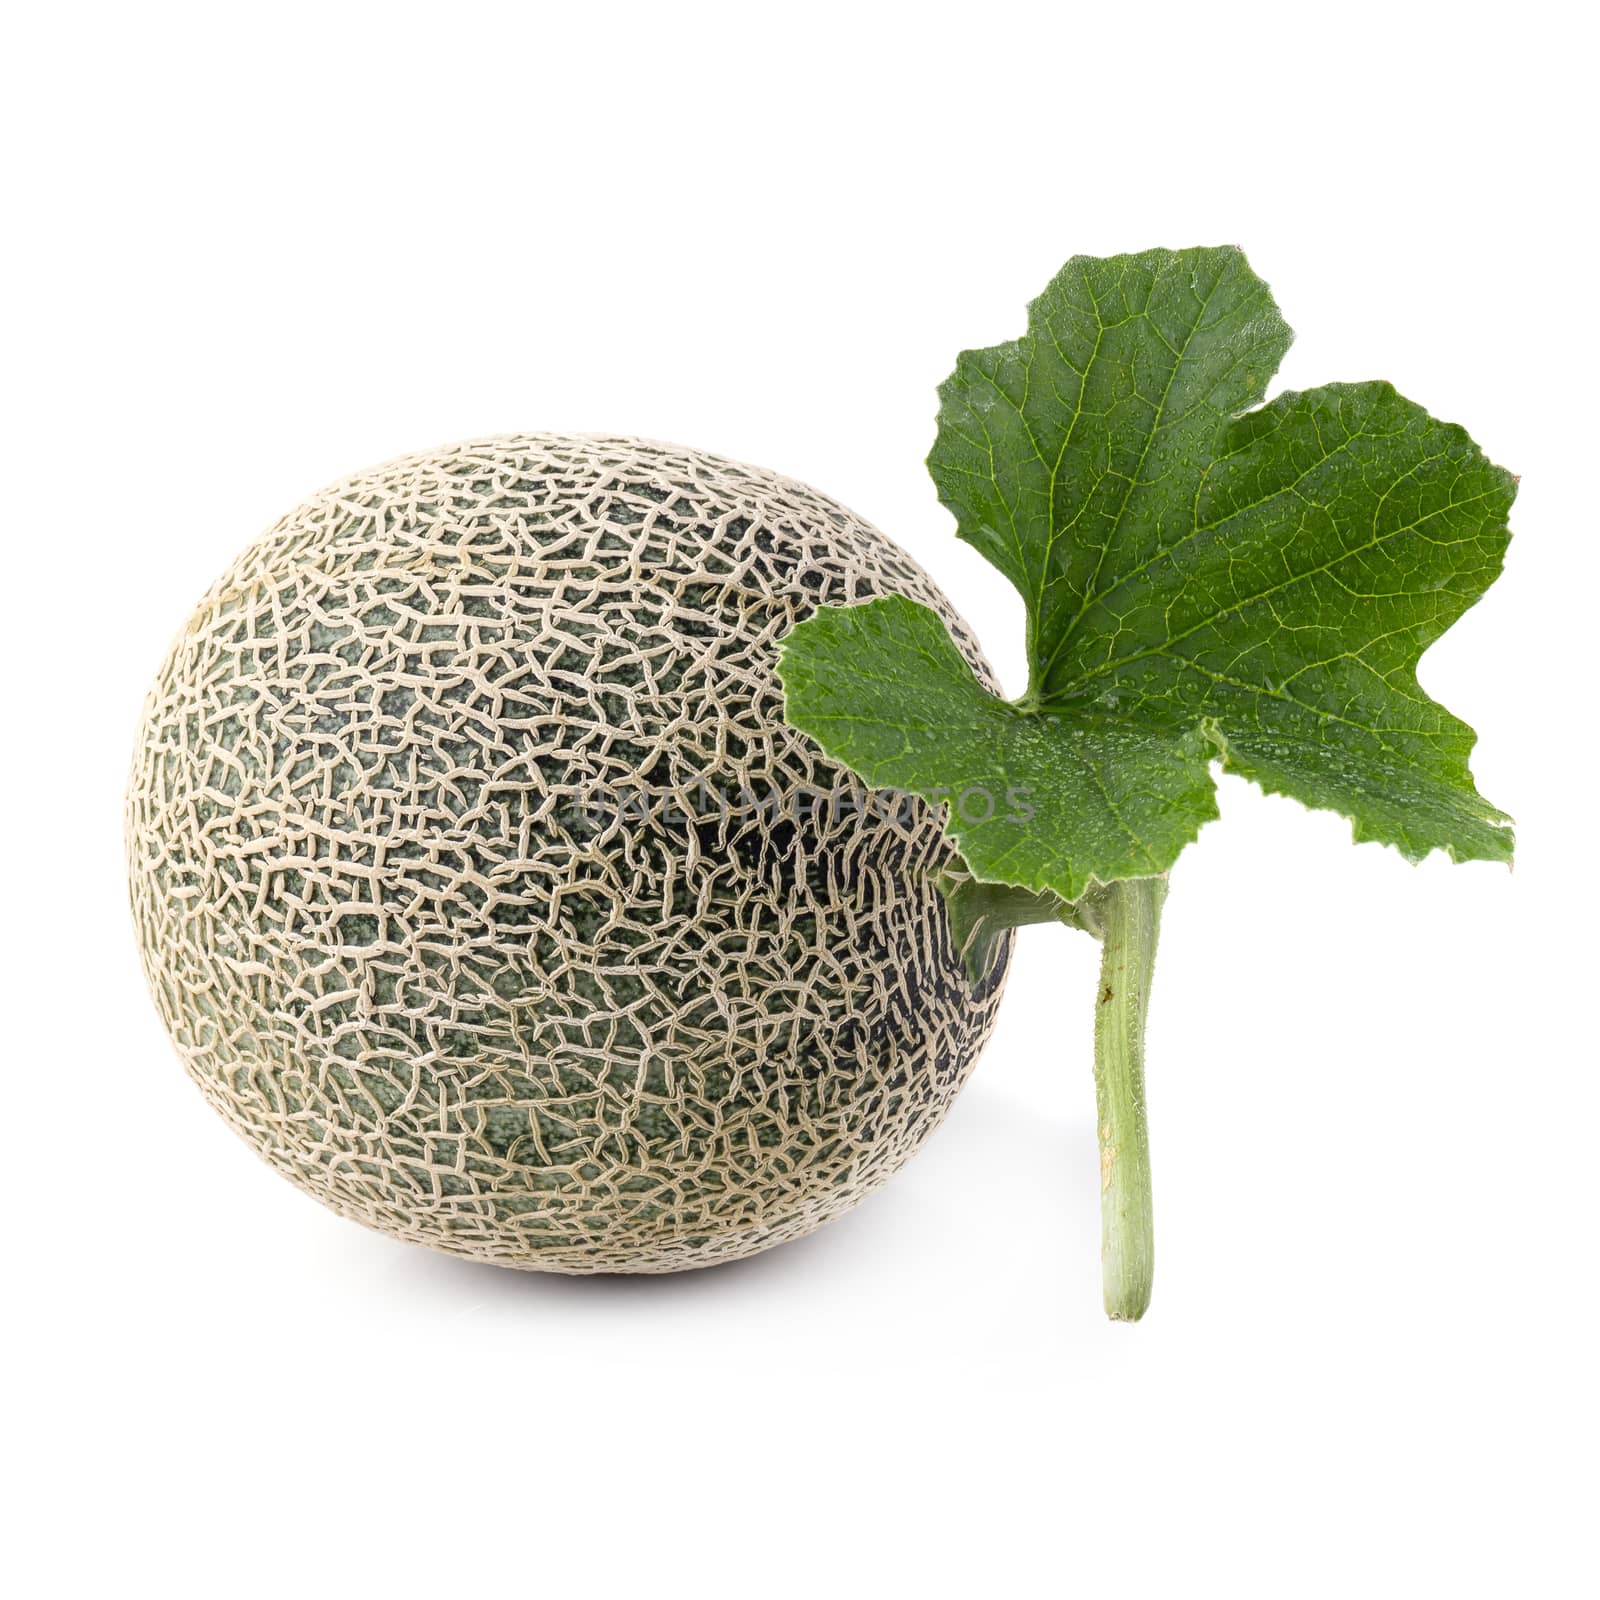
(1128, 914)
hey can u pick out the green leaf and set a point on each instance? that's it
(1202, 580)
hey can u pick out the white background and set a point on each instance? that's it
(255, 248)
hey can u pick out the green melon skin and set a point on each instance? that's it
(420, 919)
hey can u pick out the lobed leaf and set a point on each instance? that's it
(1202, 579)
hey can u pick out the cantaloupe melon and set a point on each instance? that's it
(421, 925)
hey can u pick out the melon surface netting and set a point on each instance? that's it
(476, 881)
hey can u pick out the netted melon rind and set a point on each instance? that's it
(419, 925)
